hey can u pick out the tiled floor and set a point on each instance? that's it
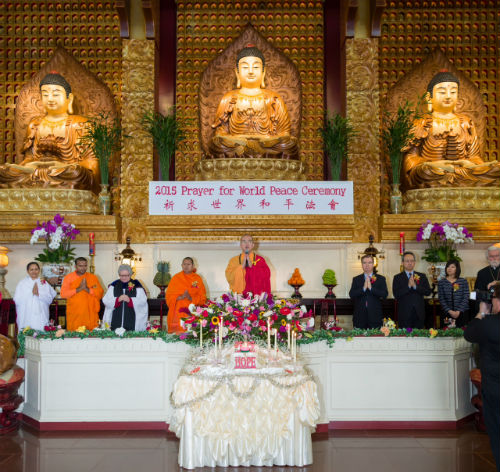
(337, 451)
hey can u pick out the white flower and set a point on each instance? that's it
(225, 331)
(245, 302)
(120, 331)
(267, 313)
(310, 323)
(289, 316)
(192, 308)
(210, 310)
(303, 308)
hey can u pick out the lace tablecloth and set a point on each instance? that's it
(230, 417)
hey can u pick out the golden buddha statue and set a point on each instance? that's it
(54, 156)
(444, 151)
(251, 121)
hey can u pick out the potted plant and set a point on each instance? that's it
(336, 133)
(104, 136)
(396, 135)
(167, 132)
(330, 282)
(442, 239)
(57, 256)
(162, 277)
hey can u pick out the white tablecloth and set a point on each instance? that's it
(259, 417)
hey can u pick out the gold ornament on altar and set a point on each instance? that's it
(445, 148)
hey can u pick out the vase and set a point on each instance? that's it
(296, 293)
(104, 200)
(54, 273)
(330, 288)
(396, 200)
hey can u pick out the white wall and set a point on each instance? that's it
(211, 260)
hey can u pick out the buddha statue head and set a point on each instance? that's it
(250, 68)
(442, 92)
(57, 98)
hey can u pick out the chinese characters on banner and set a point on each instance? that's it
(250, 198)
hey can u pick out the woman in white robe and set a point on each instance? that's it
(33, 298)
(126, 303)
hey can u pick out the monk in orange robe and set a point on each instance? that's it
(185, 288)
(248, 272)
(83, 292)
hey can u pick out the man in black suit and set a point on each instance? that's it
(484, 329)
(409, 288)
(367, 290)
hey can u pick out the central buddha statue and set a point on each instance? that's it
(53, 154)
(444, 151)
(251, 121)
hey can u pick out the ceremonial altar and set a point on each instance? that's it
(368, 382)
(230, 416)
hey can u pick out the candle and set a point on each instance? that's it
(268, 333)
(215, 338)
(401, 243)
(91, 244)
(221, 322)
(201, 334)
(276, 339)
(294, 341)
(288, 332)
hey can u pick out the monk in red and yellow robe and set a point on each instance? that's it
(83, 293)
(248, 272)
(185, 288)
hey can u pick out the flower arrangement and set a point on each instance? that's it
(249, 316)
(58, 236)
(442, 238)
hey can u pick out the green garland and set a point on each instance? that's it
(308, 337)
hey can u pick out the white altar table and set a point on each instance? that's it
(254, 417)
(365, 382)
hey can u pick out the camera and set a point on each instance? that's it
(484, 295)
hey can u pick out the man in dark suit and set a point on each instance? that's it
(409, 289)
(367, 290)
(484, 330)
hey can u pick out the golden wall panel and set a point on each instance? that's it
(137, 150)
(30, 31)
(204, 31)
(364, 156)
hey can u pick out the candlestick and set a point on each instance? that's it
(288, 332)
(268, 333)
(91, 244)
(215, 339)
(91, 252)
(401, 243)
(276, 339)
